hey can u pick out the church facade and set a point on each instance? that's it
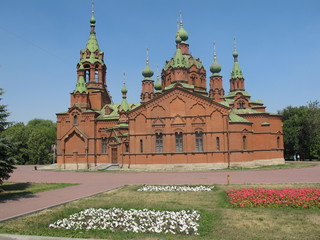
(178, 124)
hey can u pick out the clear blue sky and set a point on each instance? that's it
(278, 42)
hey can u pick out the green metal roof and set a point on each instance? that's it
(236, 71)
(233, 93)
(81, 86)
(185, 85)
(234, 118)
(246, 111)
(124, 106)
(182, 61)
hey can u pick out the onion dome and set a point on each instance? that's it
(215, 67)
(158, 86)
(92, 20)
(124, 89)
(183, 33)
(147, 71)
(178, 38)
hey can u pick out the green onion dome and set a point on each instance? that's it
(124, 89)
(215, 67)
(178, 38)
(235, 53)
(183, 34)
(92, 20)
(147, 71)
(158, 86)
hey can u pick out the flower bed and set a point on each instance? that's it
(290, 197)
(173, 188)
(118, 219)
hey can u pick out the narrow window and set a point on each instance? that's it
(104, 145)
(141, 146)
(87, 75)
(179, 142)
(75, 120)
(244, 143)
(96, 75)
(159, 143)
(278, 142)
(199, 142)
(218, 144)
(126, 147)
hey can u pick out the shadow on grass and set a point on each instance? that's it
(10, 191)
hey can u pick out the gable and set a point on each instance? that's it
(181, 102)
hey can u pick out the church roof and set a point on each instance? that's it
(182, 61)
(92, 46)
(234, 118)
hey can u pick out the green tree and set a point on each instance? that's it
(19, 133)
(6, 161)
(42, 137)
(301, 128)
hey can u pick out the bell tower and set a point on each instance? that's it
(237, 79)
(93, 70)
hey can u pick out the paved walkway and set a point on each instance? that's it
(91, 183)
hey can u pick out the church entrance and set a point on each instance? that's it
(114, 155)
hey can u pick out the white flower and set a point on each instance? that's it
(152, 221)
(172, 188)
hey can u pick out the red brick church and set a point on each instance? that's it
(179, 122)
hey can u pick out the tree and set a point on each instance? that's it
(6, 145)
(42, 137)
(33, 141)
(301, 128)
(3, 114)
(19, 133)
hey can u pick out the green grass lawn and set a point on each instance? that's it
(218, 219)
(9, 190)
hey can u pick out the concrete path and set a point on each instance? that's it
(91, 183)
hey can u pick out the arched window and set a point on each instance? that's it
(244, 143)
(159, 142)
(104, 145)
(199, 141)
(75, 120)
(179, 142)
(278, 142)
(141, 145)
(218, 144)
(126, 147)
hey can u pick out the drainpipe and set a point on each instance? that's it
(228, 141)
(87, 148)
